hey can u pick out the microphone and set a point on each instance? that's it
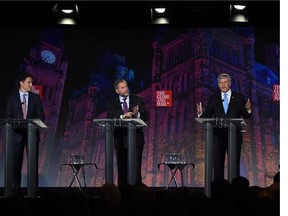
(22, 103)
(222, 100)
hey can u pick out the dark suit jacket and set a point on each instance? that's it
(236, 108)
(114, 110)
(14, 110)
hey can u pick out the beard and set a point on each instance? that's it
(124, 94)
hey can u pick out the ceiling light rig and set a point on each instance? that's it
(159, 15)
(238, 13)
(66, 13)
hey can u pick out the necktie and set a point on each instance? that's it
(225, 103)
(125, 106)
(24, 106)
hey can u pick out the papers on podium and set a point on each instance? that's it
(117, 122)
(139, 122)
(40, 123)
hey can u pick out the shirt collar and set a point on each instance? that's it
(122, 98)
(22, 93)
(228, 93)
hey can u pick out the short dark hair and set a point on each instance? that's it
(117, 82)
(22, 76)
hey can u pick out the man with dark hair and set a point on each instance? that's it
(127, 106)
(225, 104)
(23, 104)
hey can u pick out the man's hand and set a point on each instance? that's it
(248, 105)
(127, 115)
(131, 114)
(199, 109)
(135, 111)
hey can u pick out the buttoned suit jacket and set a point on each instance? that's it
(14, 111)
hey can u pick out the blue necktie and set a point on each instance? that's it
(125, 106)
(225, 103)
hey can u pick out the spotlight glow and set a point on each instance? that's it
(160, 10)
(239, 7)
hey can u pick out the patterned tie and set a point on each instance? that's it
(125, 106)
(24, 106)
(225, 103)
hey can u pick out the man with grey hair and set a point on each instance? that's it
(225, 104)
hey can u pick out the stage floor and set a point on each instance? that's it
(91, 192)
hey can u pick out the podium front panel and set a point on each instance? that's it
(232, 124)
(31, 125)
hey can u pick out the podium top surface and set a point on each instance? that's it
(118, 122)
(22, 122)
(223, 122)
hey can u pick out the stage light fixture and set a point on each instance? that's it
(66, 13)
(160, 10)
(238, 13)
(239, 7)
(159, 15)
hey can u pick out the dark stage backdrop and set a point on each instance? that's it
(77, 85)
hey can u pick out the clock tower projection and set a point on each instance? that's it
(48, 65)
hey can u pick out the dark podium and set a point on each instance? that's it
(109, 125)
(232, 124)
(32, 125)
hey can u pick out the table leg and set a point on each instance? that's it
(83, 173)
(75, 173)
(173, 173)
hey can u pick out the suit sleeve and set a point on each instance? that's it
(113, 109)
(13, 107)
(209, 112)
(110, 113)
(9, 109)
(244, 112)
(144, 115)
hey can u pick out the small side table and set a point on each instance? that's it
(174, 167)
(76, 167)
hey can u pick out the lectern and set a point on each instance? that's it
(131, 125)
(31, 125)
(232, 124)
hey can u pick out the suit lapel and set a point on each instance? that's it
(18, 100)
(131, 102)
(29, 105)
(232, 101)
(118, 105)
(18, 103)
(221, 103)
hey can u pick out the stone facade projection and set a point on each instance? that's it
(187, 64)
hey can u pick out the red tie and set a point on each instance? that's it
(125, 106)
(24, 106)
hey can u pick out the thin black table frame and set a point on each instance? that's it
(174, 167)
(76, 167)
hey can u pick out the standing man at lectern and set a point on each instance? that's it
(23, 104)
(127, 106)
(225, 104)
